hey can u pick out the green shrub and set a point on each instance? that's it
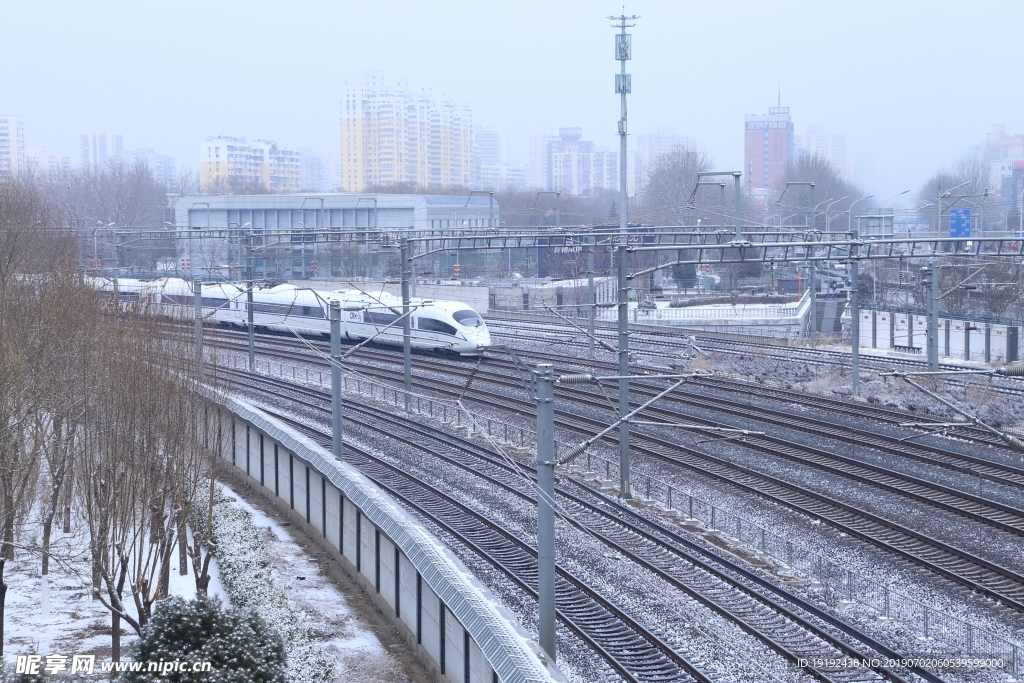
(239, 645)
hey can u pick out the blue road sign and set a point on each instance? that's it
(959, 222)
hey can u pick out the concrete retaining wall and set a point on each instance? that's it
(453, 623)
(961, 338)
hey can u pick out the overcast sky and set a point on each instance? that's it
(912, 84)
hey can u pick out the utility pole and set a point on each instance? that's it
(855, 315)
(932, 273)
(591, 294)
(739, 198)
(248, 301)
(545, 512)
(812, 284)
(405, 265)
(334, 311)
(197, 291)
(623, 86)
(625, 488)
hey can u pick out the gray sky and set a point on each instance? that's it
(911, 83)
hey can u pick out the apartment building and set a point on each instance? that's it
(229, 164)
(393, 133)
(12, 145)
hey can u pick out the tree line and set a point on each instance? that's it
(105, 454)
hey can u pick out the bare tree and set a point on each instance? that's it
(669, 184)
(968, 177)
(829, 185)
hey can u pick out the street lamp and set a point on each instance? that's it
(849, 217)
(882, 217)
(898, 194)
(827, 221)
(938, 205)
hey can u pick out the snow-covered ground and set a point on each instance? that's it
(59, 616)
(330, 610)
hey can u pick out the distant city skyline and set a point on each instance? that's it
(874, 73)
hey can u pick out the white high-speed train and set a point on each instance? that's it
(447, 326)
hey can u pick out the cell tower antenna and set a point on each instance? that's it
(623, 86)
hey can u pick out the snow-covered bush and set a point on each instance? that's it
(249, 583)
(239, 645)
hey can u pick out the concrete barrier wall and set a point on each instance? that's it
(674, 330)
(451, 621)
(958, 337)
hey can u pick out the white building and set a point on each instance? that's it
(656, 142)
(270, 215)
(13, 159)
(42, 162)
(320, 172)
(567, 163)
(98, 149)
(163, 166)
(816, 142)
(228, 163)
(492, 167)
(393, 133)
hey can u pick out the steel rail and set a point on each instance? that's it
(780, 637)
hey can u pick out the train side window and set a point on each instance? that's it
(432, 325)
(312, 312)
(380, 318)
(276, 309)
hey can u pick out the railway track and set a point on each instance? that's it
(778, 619)
(997, 515)
(962, 568)
(519, 331)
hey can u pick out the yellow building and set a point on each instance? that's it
(391, 133)
(231, 164)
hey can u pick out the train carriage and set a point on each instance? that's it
(444, 326)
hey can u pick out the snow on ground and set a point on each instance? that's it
(56, 614)
(59, 616)
(343, 626)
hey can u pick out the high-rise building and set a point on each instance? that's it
(231, 164)
(1003, 153)
(492, 168)
(540, 161)
(98, 148)
(653, 144)
(837, 155)
(768, 150)
(568, 163)
(816, 142)
(163, 166)
(487, 159)
(43, 163)
(392, 133)
(319, 171)
(12, 145)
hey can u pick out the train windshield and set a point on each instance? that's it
(468, 318)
